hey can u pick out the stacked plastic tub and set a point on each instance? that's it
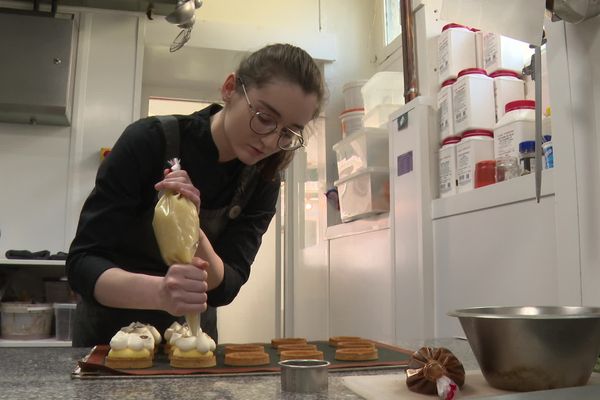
(362, 155)
(352, 117)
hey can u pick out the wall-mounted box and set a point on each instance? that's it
(36, 68)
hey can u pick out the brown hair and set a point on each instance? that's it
(288, 62)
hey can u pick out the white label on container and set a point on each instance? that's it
(464, 165)
(447, 171)
(490, 50)
(444, 120)
(459, 102)
(505, 144)
(443, 51)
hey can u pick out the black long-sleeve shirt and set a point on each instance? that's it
(115, 227)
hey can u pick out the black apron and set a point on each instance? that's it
(96, 324)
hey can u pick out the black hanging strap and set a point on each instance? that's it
(170, 126)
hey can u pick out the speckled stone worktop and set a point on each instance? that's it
(45, 373)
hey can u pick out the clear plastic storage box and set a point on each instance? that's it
(64, 315)
(26, 321)
(364, 193)
(379, 117)
(366, 148)
(385, 87)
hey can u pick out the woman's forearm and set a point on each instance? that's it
(122, 289)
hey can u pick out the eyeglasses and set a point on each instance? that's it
(264, 124)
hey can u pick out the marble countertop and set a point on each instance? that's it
(45, 373)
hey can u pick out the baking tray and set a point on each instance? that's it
(92, 365)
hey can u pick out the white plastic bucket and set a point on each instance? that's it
(456, 51)
(516, 126)
(473, 101)
(446, 110)
(507, 87)
(475, 146)
(352, 121)
(504, 53)
(352, 94)
(447, 167)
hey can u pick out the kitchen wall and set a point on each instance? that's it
(58, 164)
(51, 170)
(577, 126)
(497, 245)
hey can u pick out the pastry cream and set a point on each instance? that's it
(201, 343)
(188, 351)
(177, 228)
(129, 353)
(175, 328)
(141, 329)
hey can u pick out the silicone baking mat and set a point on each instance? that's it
(92, 365)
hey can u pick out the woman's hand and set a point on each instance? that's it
(179, 182)
(183, 289)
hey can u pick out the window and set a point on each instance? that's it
(391, 20)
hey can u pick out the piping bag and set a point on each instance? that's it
(177, 230)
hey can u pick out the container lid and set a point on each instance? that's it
(69, 306)
(454, 25)
(487, 163)
(368, 170)
(472, 71)
(448, 82)
(451, 140)
(352, 111)
(352, 84)
(527, 146)
(505, 72)
(477, 132)
(24, 307)
(373, 132)
(520, 105)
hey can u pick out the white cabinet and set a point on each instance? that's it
(494, 246)
(362, 286)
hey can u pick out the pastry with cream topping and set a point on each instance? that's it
(145, 329)
(130, 350)
(188, 351)
(172, 333)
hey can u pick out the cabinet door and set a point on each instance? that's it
(361, 286)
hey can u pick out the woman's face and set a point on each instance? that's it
(282, 101)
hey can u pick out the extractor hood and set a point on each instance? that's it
(36, 82)
(160, 7)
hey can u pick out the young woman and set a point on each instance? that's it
(231, 158)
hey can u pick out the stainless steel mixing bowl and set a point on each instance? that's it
(533, 348)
